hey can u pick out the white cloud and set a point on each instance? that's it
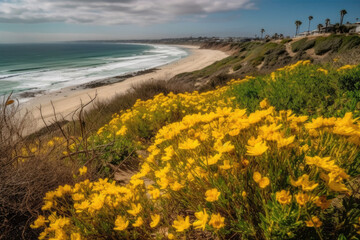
(16, 37)
(109, 12)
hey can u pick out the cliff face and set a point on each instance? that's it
(259, 57)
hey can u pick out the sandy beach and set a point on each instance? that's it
(67, 100)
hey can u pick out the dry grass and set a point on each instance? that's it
(24, 180)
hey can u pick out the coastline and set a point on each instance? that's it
(67, 100)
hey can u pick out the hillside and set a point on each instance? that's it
(224, 164)
(262, 57)
(271, 155)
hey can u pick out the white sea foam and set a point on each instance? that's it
(55, 79)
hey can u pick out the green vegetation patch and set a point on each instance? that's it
(296, 46)
(213, 68)
(350, 42)
(286, 40)
(326, 44)
(336, 94)
(257, 55)
(302, 45)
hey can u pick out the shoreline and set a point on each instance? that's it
(67, 100)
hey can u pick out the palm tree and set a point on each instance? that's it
(319, 26)
(342, 14)
(297, 23)
(262, 32)
(310, 18)
(327, 22)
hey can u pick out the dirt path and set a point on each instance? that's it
(289, 50)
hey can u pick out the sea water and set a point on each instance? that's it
(38, 68)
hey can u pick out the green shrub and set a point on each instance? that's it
(326, 44)
(295, 91)
(286, 40)
(296, 46)
(257, 61)
(308, 44)
(350, 80)
(237, 66)
(350, 42)
(248, 94)
(274, 55)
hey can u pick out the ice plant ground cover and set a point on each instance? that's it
(217, 170)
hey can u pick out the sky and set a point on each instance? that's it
(67, 20)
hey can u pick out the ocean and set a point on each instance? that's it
(39, 68)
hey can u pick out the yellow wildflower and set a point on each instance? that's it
(304, 148)
(304, 182)
(155, 193)
(75, 236)
(214, 159)
(270, 132)
(314, 222)
(121, 223)
(217, 221)
(181, 224)
(39, 222)
(51, 143)
(256, 150)
(202, 217)
(171, 236)
(264, 103)
(83, 170)
(257, 177)
(189, 144)
(78, 196)
(252, 141)
(346, 67)
(283, 142)
(323, 71)
(283, 197)
(324, 163)
(155, 220)
(59, 223)
(163, 182)
(322, 202)
(48, 205)
(223, 148)
(212, 195)
(262, 181)
(122, 131)
(273, 76)
(334, 183)
(139, 221)
(226, 165)
(315, 123)
(97, 202)
(135, 209)
(80, 207)
(245, 162)
(302, 198)
(169, 152)
(176, 186)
